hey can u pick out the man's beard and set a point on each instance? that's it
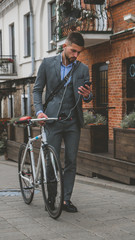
(70, 60)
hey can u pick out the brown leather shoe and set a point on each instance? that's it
(69, 207)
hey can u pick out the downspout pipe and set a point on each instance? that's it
(32, 37)
(32, 54)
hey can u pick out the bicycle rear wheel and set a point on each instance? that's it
(25, 175)
(52, 188)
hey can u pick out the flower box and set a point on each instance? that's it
(124, 144)
(94, 139)
(21, 135)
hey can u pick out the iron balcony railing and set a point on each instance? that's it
(7, 64)
(78, 16)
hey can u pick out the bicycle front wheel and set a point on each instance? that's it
(25, 174)
(52, 182)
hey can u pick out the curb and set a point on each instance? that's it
(98, 182)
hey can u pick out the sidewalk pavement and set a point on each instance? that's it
(106, 211)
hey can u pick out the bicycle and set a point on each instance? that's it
(47, 172)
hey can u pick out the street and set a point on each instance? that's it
(106, 211)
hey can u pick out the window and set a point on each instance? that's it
(24, 102)
(101, 22)
(27, 49)
(0, 108)
(102, 85)
(130, 85)
(76, 4)
(12, 46)
(0, 43)
(10, 106)
(53, 23)
(11, 40)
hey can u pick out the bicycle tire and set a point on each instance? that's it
(27, 189)
(52, 189)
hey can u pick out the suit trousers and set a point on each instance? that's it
(69, 131)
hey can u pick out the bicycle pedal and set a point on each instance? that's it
(27, 188)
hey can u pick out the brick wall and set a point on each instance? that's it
(119, 9)
(116, 51)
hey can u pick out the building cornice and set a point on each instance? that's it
(5, 4)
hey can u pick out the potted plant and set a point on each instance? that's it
(96, 119)
(94, 135)
(128, 121)
(124, 139)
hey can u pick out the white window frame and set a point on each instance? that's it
(22, 104)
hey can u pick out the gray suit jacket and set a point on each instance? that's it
(49, 75)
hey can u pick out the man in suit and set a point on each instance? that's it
(66, 105)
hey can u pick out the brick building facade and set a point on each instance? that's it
(117, 57)
(111, 58)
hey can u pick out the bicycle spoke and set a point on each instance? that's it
(25, 175)
(53, 188)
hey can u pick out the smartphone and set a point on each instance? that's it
(87, 83)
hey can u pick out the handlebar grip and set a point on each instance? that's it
(22, 121)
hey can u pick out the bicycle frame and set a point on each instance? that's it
(36, 170)
(46, 172)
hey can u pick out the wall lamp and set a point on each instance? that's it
(130, 18)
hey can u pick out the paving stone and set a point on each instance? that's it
(105, 212)
(13, 236)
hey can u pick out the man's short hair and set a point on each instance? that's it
(76, 38)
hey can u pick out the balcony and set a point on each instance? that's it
(7, 65)
(94, 21)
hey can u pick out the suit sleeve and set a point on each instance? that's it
(39, 86)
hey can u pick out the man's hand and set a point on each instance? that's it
(42, 115)
(84, 91)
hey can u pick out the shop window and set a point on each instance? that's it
(102, 86)
(130, 85)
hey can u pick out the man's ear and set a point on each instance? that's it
(64, 45)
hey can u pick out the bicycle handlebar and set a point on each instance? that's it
(35, 120)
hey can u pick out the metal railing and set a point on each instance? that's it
(7, 64)
(85, 18)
